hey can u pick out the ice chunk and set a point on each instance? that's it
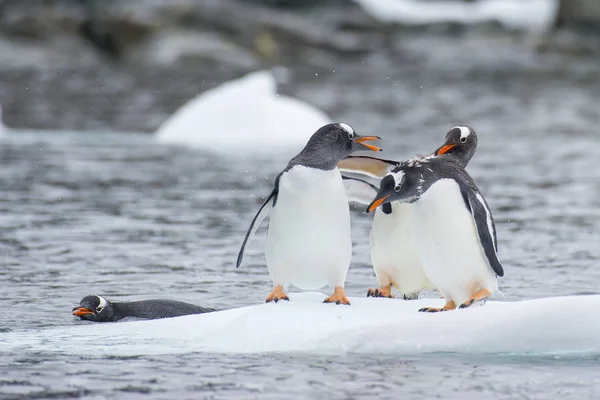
(535, 15)
(243, 115)
(556, 325)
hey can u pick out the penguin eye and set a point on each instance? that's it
(463, 139)
(99, 309)
(350, 136)
(397, 188)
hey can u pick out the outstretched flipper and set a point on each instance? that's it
(362, 192)
(365, 165)
(359, 191)
(486, 229)
(258, 218)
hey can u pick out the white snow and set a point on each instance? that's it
(243, 115)
(558, 325)
(532, 15)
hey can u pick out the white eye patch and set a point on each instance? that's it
(464, 131)
(102, 304)
(347, 128)
(398, 178)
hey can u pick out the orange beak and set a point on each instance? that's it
(445, 149)
(79, 311)
(364, 139)
(377, 203)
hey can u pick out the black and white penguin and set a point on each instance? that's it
(394, 254)
(454, 230)
(98, 309)
(308, 242)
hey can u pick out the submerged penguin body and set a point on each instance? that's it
(98, 309)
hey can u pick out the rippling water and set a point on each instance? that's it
(119, 215)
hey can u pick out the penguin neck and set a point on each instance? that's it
(319, 155)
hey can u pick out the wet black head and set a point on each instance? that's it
(407, 182)
(95, 308)
(330, 144)
(461, 142)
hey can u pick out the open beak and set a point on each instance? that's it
(445, 149)
(376, 203)
(80, 311)
(363, 139)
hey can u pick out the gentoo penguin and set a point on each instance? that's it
(308, 242)
(394, 253)
(98, 309)
(453, 226)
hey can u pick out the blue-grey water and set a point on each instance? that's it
(118, 214)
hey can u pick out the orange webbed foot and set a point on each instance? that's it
(277, 294)
(479, 298)
(384, 291)
(447, 307)
(338, 297)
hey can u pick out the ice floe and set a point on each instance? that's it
(243, 115)
(557, 325)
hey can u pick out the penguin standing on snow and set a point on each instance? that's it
(308, 243)
(394, 252)
(453, 226)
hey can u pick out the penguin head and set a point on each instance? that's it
(332, 143)
(461, 142)
(95, 308)
(405, 183)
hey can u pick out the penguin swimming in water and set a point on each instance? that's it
(308, 242)
(98, 309)
(394, 253)
(453, 226)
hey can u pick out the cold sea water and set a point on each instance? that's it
(117, 214)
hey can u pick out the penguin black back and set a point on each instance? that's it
(98, 309)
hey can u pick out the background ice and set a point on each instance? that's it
(525, 14)
(244, 115)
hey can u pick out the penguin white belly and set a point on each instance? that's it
(394, 252)
(448, 243)
(309, 244)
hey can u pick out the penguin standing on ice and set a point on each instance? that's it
(453, 226)
(308, 243)
(394, 252)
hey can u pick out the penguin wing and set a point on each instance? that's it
(486, 229)
(258, 218)
(359, 191)
(365, 165)
(362, 192)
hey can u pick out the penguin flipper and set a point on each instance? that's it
(486, 229)
(359, 191)
(258, 218)
(365, 165)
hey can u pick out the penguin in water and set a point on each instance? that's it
(394, 253)
(98, 309)
(453, 226)
(308, 242)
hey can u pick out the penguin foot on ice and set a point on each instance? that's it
(277, 294)
(338, 297)
(479, 298)
(447, 307)
(385, 291)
